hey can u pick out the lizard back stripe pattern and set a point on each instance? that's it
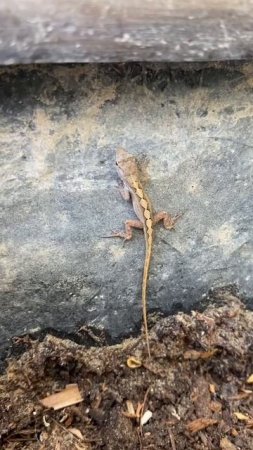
(148, 232)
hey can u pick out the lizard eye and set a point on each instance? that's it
(117, 163)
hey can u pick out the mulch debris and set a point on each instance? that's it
(195, 393)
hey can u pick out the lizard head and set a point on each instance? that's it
(126, 164)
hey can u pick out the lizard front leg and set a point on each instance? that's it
(129, 225)
(124, 192)
(169, 221)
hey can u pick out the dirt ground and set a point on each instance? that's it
(196, 392)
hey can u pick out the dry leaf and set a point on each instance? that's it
(250, 379)
(128, 415)
(241, 416)
(67, 397)
(194, 354)
(131, 413)
(200, 424)
(76, 433)
(133, 363)
(225, 444)
(139, 409)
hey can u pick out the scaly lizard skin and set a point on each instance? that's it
(132, 189)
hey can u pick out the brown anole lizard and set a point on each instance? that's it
(127, 169)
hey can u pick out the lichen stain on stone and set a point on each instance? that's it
(41, 145)
(44, 145)
(100, 245)
(223, 237)
(88, 104)
(7, 272)
(87, 123)
(3, 249)
(117, 252)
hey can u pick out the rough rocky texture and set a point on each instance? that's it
(119, 30)
(191, 128)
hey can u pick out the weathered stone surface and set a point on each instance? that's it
(119, 30)
(191, 128)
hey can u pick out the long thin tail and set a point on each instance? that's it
(148, 241)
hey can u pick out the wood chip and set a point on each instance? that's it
(67, 397)
(133, 363)
(130, 407)
(212, 388)
(130, 413)
(250, 379)
(146, 417)
(225, 444)
(200, 424)
(215, 406)
(194, 354)
(234, 432)
(241, 395)
(241, 416)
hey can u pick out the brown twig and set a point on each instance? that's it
(172, 440)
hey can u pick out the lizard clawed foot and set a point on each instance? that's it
(120, 234)
(170, 222)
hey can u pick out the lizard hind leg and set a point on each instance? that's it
(169, 221)
(128, 233)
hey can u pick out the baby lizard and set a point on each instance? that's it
(132, 189)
